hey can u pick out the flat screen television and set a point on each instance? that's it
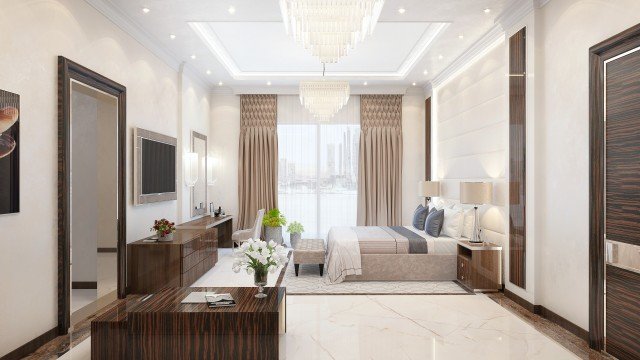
(154, 167)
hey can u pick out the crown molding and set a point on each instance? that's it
(222, 90)
(516, 12)
(189, 72)
(131, 28)
(480, 48)
(428, 89)
(295, 90)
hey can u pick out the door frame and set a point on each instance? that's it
(68, 71)
(598, 55)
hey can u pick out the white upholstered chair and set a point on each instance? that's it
(241, 236)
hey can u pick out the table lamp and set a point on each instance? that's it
(476, 194)
(428, 189)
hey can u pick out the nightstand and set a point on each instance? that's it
(480, 266)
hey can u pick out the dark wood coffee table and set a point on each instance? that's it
(162, 328)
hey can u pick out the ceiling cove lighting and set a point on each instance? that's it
(329, 29)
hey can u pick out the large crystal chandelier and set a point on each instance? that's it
(330, 28)
(324, 99)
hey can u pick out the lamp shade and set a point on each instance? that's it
(476, 193)
(428, 188)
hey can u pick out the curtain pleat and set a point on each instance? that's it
(380, 164)
(258, 157)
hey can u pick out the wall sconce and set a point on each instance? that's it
(191, 169)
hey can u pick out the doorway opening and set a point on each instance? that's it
(91, 193)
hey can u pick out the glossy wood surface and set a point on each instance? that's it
(154, 266)
(480, 266)
(623, 313)
(598, 54)
(623, 149)
(517, 159)
(224, 225)
(161, 327)
(68, 71)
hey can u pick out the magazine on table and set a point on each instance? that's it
(220, 300)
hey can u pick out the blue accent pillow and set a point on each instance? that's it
(420, 216)
(433, 224)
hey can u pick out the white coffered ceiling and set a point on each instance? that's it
(249, 47)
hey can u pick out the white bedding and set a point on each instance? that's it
(344, 255)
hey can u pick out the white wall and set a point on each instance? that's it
(195, 116)
(224, 140)
(413, 151)
(565, 31)
(470, 136)
(39, 32)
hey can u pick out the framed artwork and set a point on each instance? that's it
(9, 152)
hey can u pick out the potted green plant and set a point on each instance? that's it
(273, 222)
(164, 229)
(295, 231)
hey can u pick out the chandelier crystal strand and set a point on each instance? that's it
(329, 29)
(324, 99)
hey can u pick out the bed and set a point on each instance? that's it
(383, 253)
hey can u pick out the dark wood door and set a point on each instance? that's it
(622, 206)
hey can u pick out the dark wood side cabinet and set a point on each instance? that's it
(224, 225)
(161, 327)
(480, 266)
(154, 266)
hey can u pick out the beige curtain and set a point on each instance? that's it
(258, 157)
(380, 162)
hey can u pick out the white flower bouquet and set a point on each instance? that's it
(259, 258)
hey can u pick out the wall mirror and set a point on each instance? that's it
(199, 190)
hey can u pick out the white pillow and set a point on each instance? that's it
(467, 227)
(453, 221)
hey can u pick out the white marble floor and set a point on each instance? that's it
(393, 326)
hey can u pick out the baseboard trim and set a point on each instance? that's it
(84, 285)
(31, 346)
(549, 315)
(107, 250)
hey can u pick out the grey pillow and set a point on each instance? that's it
(420, 216)
(433, 225)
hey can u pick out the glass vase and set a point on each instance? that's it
(260, 280)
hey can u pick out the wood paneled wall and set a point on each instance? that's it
(517, 158)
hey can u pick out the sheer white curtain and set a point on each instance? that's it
(318, 166)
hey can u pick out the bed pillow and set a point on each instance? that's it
(467, 227)
(452, 224)
(433, 225)
(420, 216)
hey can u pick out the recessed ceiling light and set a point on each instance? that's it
(487, 10)
(193, 57)
(365, 83)
(414, 84)
(402, 10)
(460, 36)
(425, 72)
(440, 57)
(172, 37)
(146, 10)
(220, 83)
(268, 83)
(208, 72)
(231, 10)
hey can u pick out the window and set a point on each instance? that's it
(318, 166)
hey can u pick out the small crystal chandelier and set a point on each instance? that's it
(324, 98)
(330, 28)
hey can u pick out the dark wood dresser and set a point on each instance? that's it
(154, 266)
(224, 225)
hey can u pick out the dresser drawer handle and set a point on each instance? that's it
(462, 265)
(462, 277)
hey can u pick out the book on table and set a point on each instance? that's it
(220, 300)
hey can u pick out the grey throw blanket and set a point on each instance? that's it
(417, 244)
